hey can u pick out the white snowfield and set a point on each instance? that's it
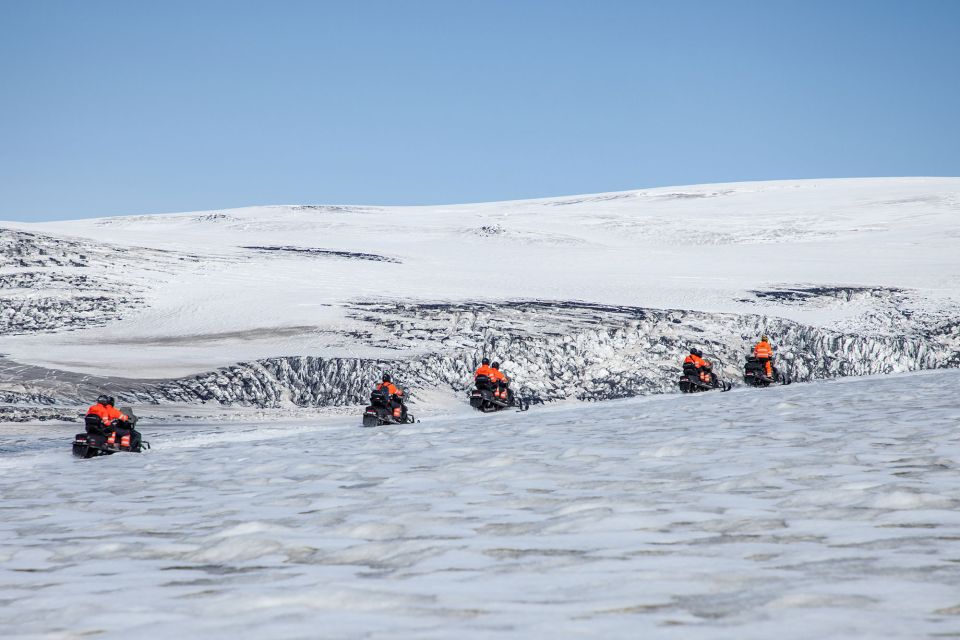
(822, 510)
(221, 287)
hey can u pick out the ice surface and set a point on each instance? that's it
(823, 510)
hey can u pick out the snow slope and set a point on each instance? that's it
(851, 276)
(824, 510)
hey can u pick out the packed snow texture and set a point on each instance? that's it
(588, 297)
(824, 510)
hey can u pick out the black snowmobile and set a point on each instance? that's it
(755, 374)
(691, 382)
(482, 398)
(102, 440)
(380, 412)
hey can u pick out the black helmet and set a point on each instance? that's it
(111, 400)
(697, 352)
(103, 399)
(485, 361)
(386, 377)
(495, 365)
(693, 351)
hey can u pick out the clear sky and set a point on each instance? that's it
(124, 107)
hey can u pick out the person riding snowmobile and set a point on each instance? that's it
(105, 410)
(485, 370)
(117, 427)
(763, 352)
(394, 395)
(695, 358)
(703, 367)
(501, 382)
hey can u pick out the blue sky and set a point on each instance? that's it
(113, 108)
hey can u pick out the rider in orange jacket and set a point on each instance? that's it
(695, 358)
(500, 381)
(763, 352)
(485, 370)
(704, 368)
(396, 394)
(105, 410)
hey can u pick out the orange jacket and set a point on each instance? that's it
(486, 370)
(763, 350)
(499, 376)
(697, 361)
(389, 386)
(107, 413)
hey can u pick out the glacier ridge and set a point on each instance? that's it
(552, 351)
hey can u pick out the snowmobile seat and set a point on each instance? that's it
(380, 398)
(689, 369)
(94, 424)
(483, 382)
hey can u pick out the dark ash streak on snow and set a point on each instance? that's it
(352, 255)
(805, 294)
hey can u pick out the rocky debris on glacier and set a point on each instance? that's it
(35, 314)
(48, 280)
(42, 291)
(883, 310)
(41, 414)
(552, 350)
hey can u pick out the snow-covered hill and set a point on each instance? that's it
(588, 297)
(824, 510)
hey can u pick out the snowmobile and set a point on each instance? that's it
(482, 398)
(379, 412)
(691, 382)
(755, 374)
(102, 440)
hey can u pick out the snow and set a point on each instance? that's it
(816, 510)
(246, 339)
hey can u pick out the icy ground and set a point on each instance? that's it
(823, 510)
